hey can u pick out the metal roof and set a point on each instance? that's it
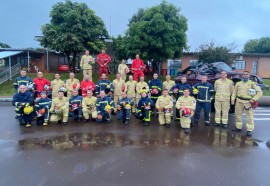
(5, 54)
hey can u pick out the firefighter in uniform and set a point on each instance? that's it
(56, 85)
(86, 85)
(71, 84)
(177, 91)
(130, 89)
(103, 60)
(144, 108)
(168, 84)
(42, 109)
(105, 106)
(41, 84)
(123, 70)
(141, 86)
(59, 109)
(186, 105)
(246, 93)
(206, 90)
(164, 105)
(125, 105)
(89, 106)
(137, 68)
(119, 87)
(104, 85)
(224, 89)
(155, 87)
(86, 64)
(75, 105)
(24, 80)
(23, 101)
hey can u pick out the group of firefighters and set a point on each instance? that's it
(99, 101)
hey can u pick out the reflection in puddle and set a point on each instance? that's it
(218, 138)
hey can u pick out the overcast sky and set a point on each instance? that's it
(223, 21)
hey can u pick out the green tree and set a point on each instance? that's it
(4, 45)
(261, 45)
(156, 33)
(73, 28)
(210, 53)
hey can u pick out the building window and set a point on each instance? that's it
(193, 62)
(254, 67)
(239, 65)
(23, 61)
(174, 64)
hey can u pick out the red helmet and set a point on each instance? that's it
(74, 106)
(255, 104)
(186, 112)
(154, 91)
(74, 86)
(175, 90)
(123, 88)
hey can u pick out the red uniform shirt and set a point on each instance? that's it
(87, 85)
(103, 59)
(40, 83)
(137, 64)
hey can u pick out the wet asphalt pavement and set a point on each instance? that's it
(115, 154)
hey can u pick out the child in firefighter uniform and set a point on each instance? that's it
(246, 94)
(104, 85)
(56, 85)
(141, 86)
(104, 106)
(86, 64)
(123, 70)
(23, 101)
(164, 105)
(89, 106)
(144, 109)
(118, 88)
(75, 105)
(71, 84)
(186, 105)
(42, 109)
(59, 109)
(124, 106)
(130, 89)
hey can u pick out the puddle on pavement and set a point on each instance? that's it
(79, 141)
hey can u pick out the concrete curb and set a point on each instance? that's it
(264, 101)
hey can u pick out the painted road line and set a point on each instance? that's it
(262, 119)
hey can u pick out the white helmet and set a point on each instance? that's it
(46, 87)
(29, 85)
(252, 92)
(63, 89)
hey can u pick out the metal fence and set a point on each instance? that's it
(9, 73)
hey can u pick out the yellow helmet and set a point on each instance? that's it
(108, 107)
(28, 109)
(195, 91)
(128, 106)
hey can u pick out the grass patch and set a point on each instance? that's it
(6, 89)
(266, 82)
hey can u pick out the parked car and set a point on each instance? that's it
(212, 71)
